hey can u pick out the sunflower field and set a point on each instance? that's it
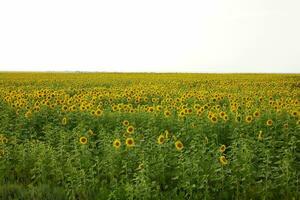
(149, 136)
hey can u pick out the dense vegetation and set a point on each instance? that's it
(149, 136)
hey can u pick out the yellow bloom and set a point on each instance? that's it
(222, 148)
(3, 139)
(64, 108)
(125, 122)
(167, 134)
(98, 112)
(249, 119)
(129, 142)
(83, 140)
(179, 145)
(130, 129)
(214, 119)
(167, 113)
(140, 167)
(64, 121)
(256, 114)
(2, 152)
(161, 139)
(91, 132)
(28, 114)
(117, 143)
(269, 122)
(260, 136)
(223, 160)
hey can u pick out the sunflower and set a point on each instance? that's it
(161, 139)
(3, 139)
(129, 142)
(249, 119)
(269, 122)
(178, 145)
(150, 109)
(225, 118)
(222, 114)
(256, 114)
(130, 129)
(222, 148)
(214, 119)
(64, 108)
(64, 121)
(167, 134)
(167, 113)
(83, 140)
(286, 125)
(98, 112)
(238, 118)
(260, 136)
(2, 152)
(91, 132)
(181, 113)
(125, 122)
(223, 160)
(295, 113)
(117, 143)
(28, 114)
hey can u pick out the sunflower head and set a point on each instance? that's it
(256, 114)
(269, 122)
(129, 142)
(167, 113)
(260, 136)
(167, 134)
(3, 139)
(130, 129)
(214, 119)
(222, 148)
(98, 112)
(83, 140)
(161, 139)
(222, 114)
(125, 123)
(178, 145)
(91, 132)
(249, 119)
(223, 160)
(295, 113)
(117, 143)
(64, 121)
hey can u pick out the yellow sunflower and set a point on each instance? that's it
(178, 145)
(83, 140)
(214, 119)
(260, 136)
(223, 160)
(129, 142)
(222, 148)
(167, 113)
(161, 139)
(91, 132)
(249, 119)
(167, 133)
(117, 143)
(269, 122)
(125, 123)
(130, 129)
(98, 112)
(64, 121)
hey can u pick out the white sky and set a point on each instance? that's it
(152, 35)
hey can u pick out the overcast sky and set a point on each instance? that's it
(150, 35)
